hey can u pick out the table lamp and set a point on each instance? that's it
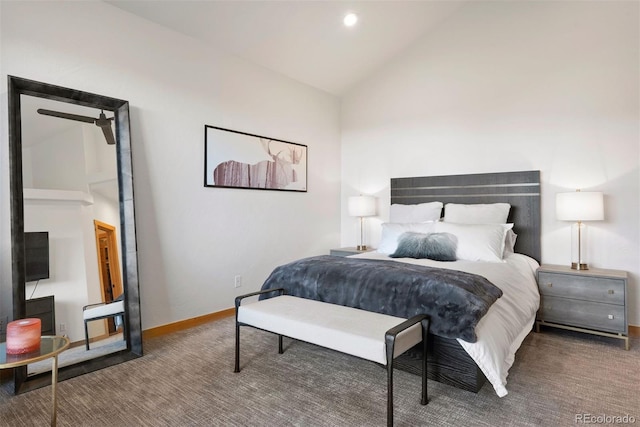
(362, 206)
(579, 206)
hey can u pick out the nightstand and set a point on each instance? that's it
(593, 301)
(348, 251)
(44, 309)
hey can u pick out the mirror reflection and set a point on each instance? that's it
(72, 227)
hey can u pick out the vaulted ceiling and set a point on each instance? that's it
(303, 40)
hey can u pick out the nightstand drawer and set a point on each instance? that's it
(339, 252)
(585, 314)
(348, 251)
(38, 306)
(596, 289)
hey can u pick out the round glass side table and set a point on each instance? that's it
(50, 347)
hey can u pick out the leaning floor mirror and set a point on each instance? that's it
(73, 237)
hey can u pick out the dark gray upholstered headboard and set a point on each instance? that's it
(520, 189)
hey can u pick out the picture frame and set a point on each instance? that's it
(236, 159)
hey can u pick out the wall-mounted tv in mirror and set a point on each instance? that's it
(36, 254)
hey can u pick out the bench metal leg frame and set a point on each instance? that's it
(86, 327)
(238, 301)
(390, 339)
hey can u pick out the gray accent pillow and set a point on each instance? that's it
(435, 246)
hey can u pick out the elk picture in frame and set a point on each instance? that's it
(241, 160)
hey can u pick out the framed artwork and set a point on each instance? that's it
(235, 159)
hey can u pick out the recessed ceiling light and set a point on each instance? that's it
(350, 19)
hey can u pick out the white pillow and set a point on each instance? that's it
(415, 213)
(477, 242)
(391, 233)
(493, 213)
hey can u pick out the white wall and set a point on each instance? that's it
(192, 240)
(506, 86)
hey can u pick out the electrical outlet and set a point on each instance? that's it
(237, 281)
(62, 327)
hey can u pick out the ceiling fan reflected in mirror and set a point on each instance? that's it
(103, 122)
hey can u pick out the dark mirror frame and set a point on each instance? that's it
(133, 328)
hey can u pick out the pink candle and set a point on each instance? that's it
(23, 336)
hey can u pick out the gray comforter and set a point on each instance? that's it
(454, 300)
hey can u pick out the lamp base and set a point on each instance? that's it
(579, 266)
(361, 247)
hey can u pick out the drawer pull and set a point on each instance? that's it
(610, 291)
(610, 317)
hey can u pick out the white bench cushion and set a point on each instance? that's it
(103, 310)
(348, 330)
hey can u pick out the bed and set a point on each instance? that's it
(450, 363)
(502, 325)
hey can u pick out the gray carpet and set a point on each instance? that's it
(186, 379)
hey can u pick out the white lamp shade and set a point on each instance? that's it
(580, 206)
(362, 206)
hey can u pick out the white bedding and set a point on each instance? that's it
(509, 320)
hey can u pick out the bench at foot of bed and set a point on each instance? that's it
(372, 336)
